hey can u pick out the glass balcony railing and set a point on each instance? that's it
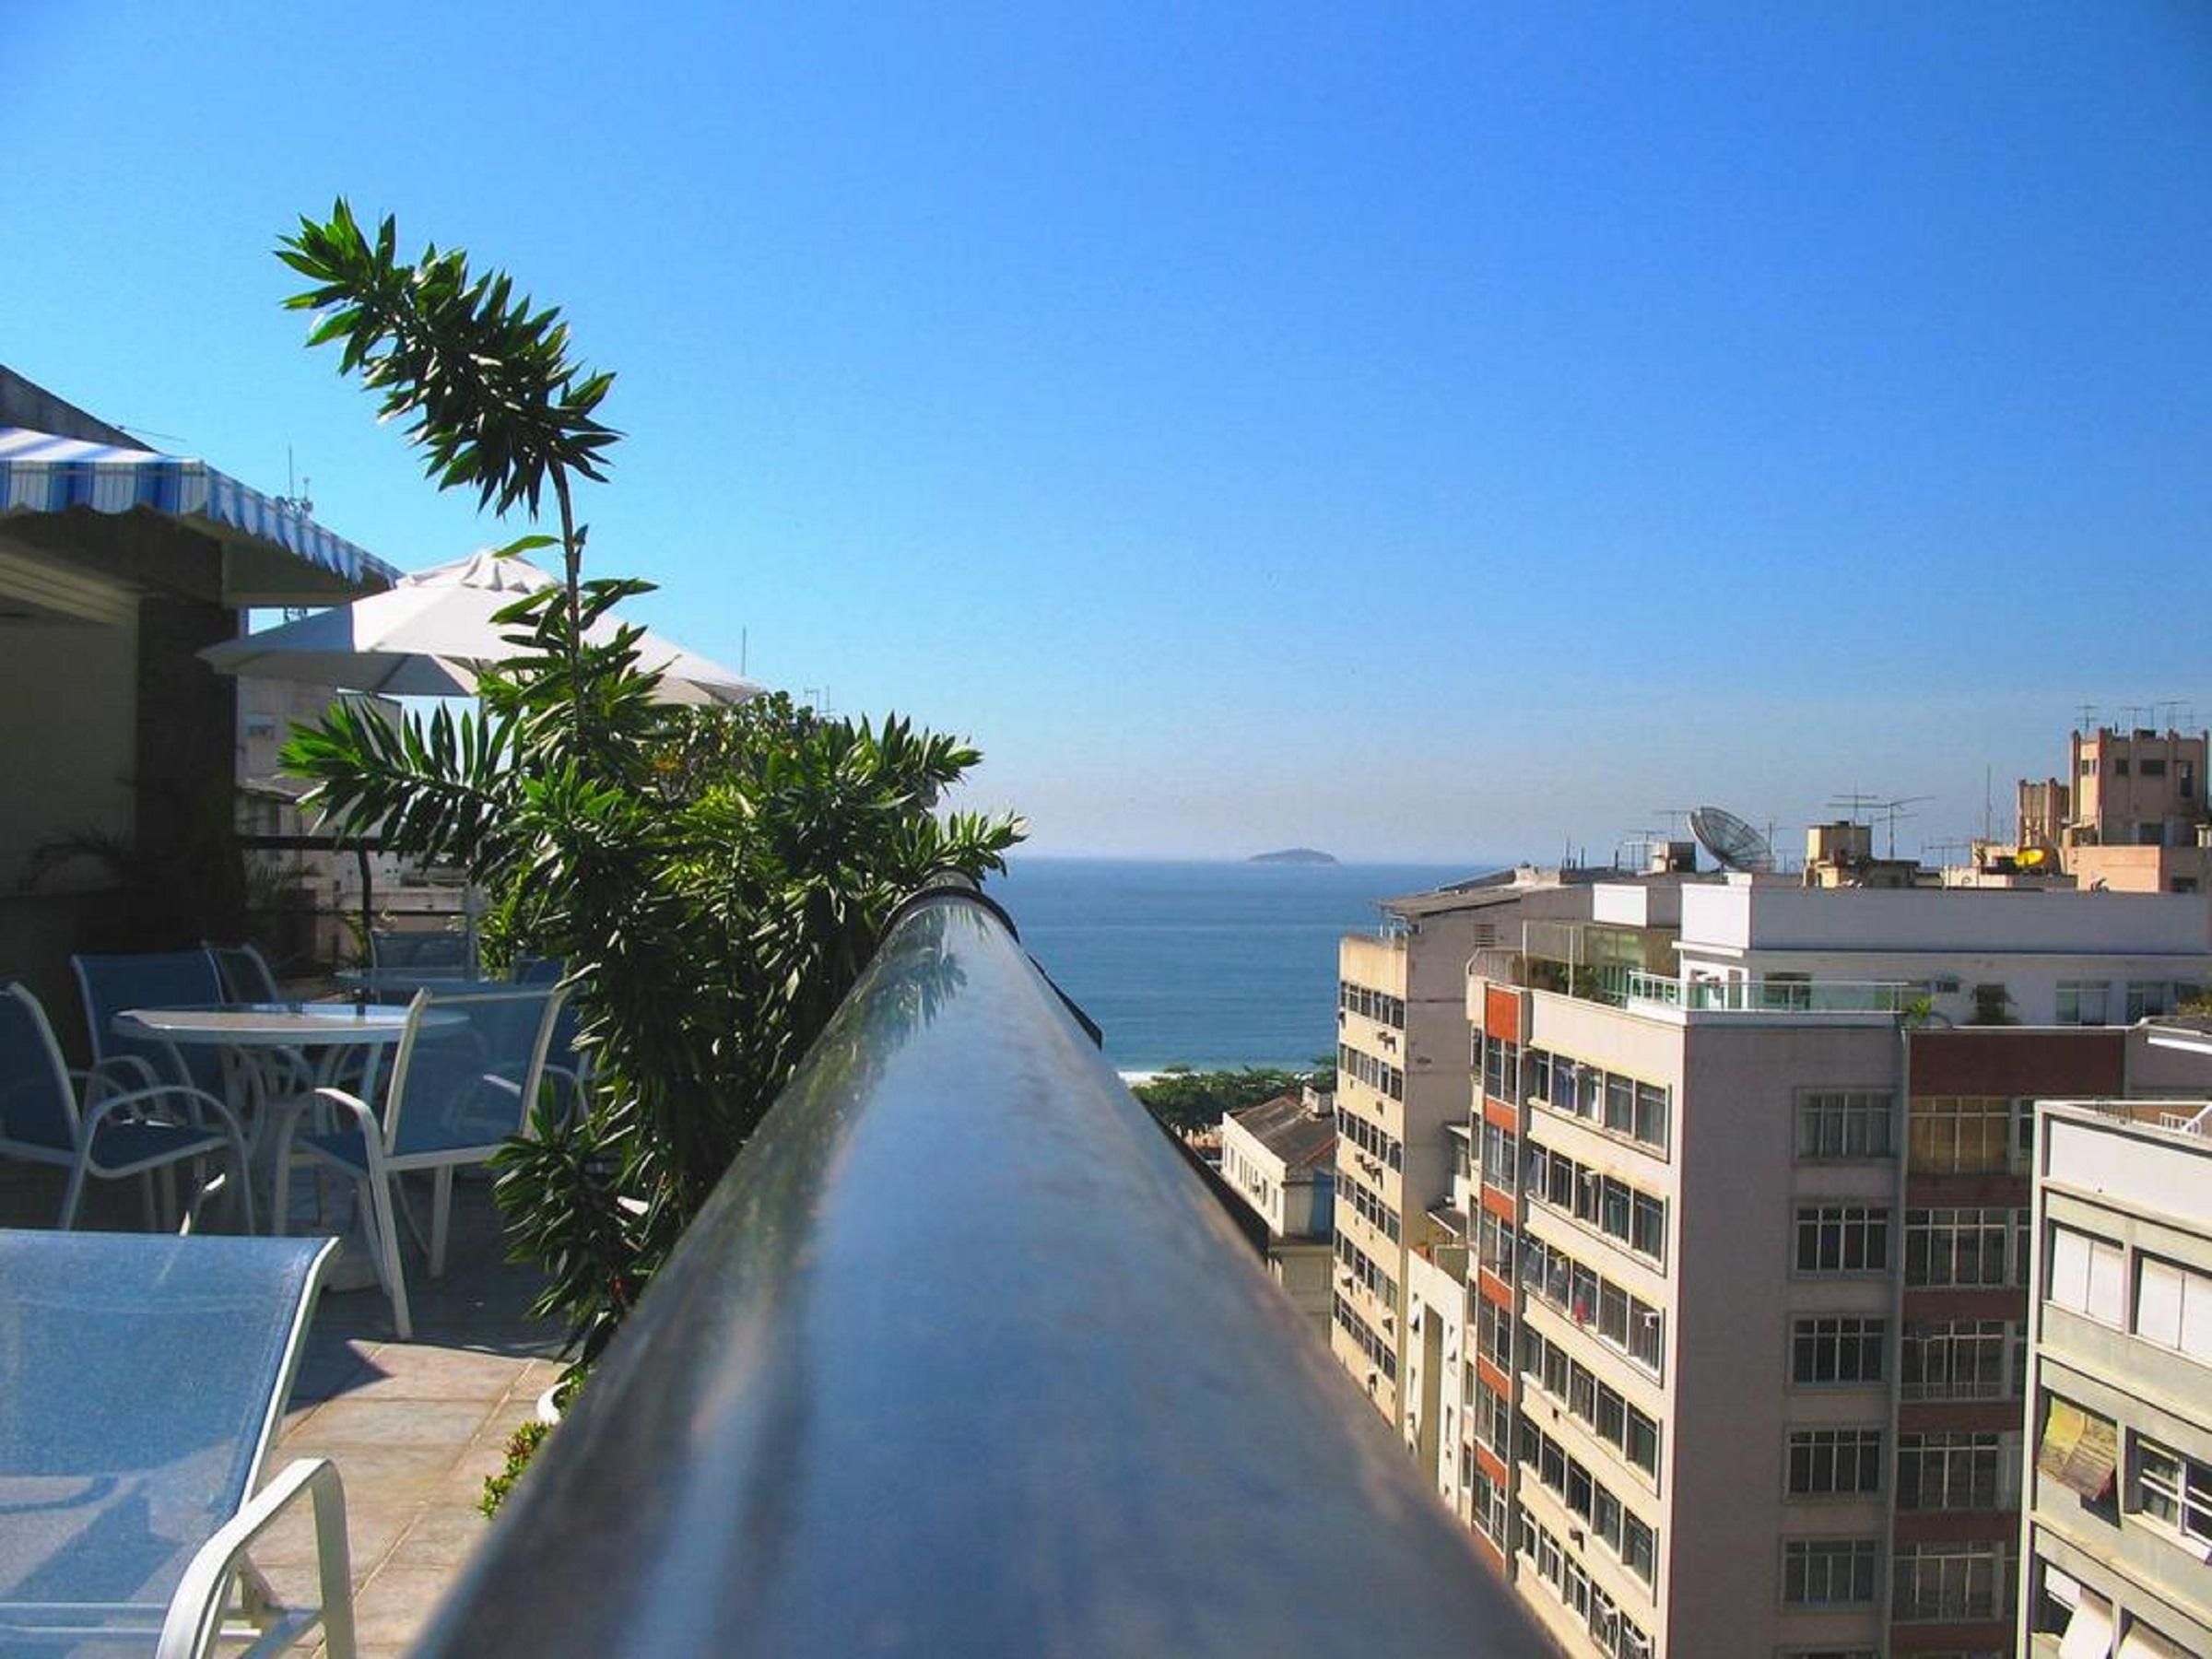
(1773, 995)
(962, 1359)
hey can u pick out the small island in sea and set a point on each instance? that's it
(1298, 855)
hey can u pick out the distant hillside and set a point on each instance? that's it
(1292, 855)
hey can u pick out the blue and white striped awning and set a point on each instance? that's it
(41, 473)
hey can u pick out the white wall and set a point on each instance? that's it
(1742, 916)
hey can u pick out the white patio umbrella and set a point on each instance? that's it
(431, 633)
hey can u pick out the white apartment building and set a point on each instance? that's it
(1750, 1251)
(1401, 1081)
(2117, 1532)
(1276, 1156)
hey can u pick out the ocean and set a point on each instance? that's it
(1209, 965)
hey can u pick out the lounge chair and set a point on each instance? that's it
(145, 1383)
(465, 1078)
(121, 1125)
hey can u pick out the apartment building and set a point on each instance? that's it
(1402, 1062)
(2117, 1471)
(1747, 1335)
(1276, 1156)
(2130, 813)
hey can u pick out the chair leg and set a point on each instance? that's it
(75, 1195)
(441, 1209)
(387, 1245)
(280, 1192)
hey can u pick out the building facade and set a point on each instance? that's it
(1402, 1062)
(1751, 1257)
(2118, 1468)
(1277, 1158)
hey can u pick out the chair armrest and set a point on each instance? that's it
(104, 1075)
(199, 1098)
(196, 1610)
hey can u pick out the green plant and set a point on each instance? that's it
(522, 1446)
(716, 879)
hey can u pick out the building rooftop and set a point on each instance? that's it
(1302, 1139)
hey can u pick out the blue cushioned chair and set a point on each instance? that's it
(466, 1076)
(122, 1127)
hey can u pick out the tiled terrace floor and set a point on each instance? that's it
(413, 1427)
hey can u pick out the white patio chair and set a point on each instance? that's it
(464, 1079)
(147, 1380)
(120, 1128)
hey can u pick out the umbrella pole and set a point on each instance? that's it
(360, 855)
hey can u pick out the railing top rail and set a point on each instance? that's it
(960, 1360)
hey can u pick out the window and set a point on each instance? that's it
(1502, 1071)
(1568, 1382)
(1493, 1420)
(2082, 1002)
(1959, 1135)
(1837, 1349)
(1596, 1199)
(1379, 1353)
(1494, 1334)
(1957, 1246)
(2088, 1275)
(2173, 1307)
(1829, 1572)
(1842, 1237)
(1639, 1548)
(1832, 1463)
(1952, 1471)
(1652, 1115)
(2146, 999)
(1620, 1103)
(2174, 1490)
(1963, 1359)
(1496, 1240)
(2078, 1450)
(1500, 1156)
(1845, 1123)
(1490, 1507)
(1647, 1236)
(1951, 1581)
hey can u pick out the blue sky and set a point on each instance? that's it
(1450, 433)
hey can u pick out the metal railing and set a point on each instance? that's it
(960, 1359)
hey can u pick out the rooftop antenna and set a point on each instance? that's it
(1733, 844)
(2088, 721)
(1857, 802)
(295, 489)
(1673, 818)
(2173, 706)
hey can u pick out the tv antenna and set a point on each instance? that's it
(1947, 848)
(2087, 718)
(1733, 844)
(295, 488)
(1892, 809)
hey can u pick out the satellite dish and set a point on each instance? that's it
(1735, 843)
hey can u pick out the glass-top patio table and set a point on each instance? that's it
(335, 1031)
